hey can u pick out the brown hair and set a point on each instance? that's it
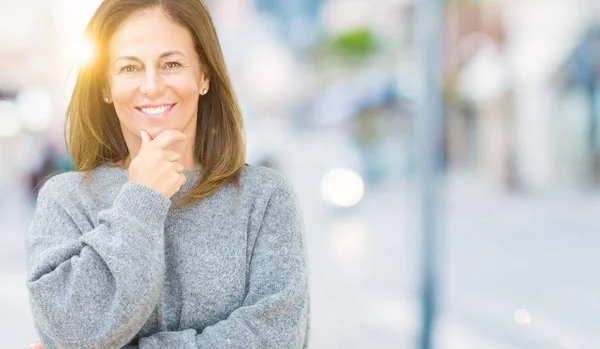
(92, 131)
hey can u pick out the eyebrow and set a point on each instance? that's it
(162, 55)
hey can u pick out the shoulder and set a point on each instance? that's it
(264, 179)
(61, 185)
(104, 180)
(59, 192)
(269, 186)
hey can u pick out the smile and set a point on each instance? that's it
(155, 111)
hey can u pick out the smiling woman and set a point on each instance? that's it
(155, 78)
(164, 237)
(153, 61)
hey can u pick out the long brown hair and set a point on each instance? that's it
(92, 131)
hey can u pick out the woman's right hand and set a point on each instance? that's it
(157, 167)
(37, 345)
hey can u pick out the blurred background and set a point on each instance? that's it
(330, 91)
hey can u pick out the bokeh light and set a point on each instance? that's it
(35, 108)
(347, 240)
(522, 317)
(342, 187)
(10, 125)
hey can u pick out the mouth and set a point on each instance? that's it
(155, 111)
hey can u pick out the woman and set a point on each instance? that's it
(164, 238)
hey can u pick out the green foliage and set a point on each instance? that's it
(357, 42)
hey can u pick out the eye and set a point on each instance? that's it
(128, 69)
(172, 65)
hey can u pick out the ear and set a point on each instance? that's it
(105, 91)
(204, 82)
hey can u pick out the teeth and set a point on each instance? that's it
(154, 111)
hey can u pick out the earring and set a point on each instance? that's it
(204, 91)
(107, 100)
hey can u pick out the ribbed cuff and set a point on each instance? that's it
(142, 202)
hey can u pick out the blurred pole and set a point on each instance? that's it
(428, 131)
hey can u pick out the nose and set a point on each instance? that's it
(153, 83)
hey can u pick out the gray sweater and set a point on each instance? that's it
(116, 264)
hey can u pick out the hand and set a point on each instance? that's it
(37, 345)
(155, 166)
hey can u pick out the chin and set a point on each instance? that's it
(155, 131)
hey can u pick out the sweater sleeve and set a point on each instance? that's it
(95, 289)
(275, 312)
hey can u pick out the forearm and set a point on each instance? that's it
(255, 327)
(98, 291)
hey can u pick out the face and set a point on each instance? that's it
(154, 77)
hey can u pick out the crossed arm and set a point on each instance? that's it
(83, 295)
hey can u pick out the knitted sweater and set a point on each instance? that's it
(115, 264)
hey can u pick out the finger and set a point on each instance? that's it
(145, 137)
(36, 345)
(168, 137)
(172, 155)
(182, 179)
(179, 168)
